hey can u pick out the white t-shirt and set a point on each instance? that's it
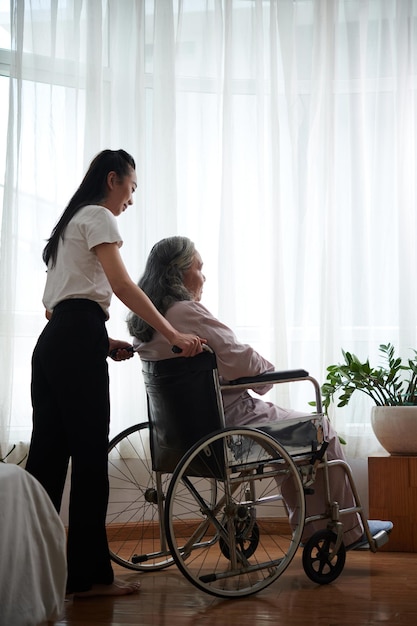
(78, 273)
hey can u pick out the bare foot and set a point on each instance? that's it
(117, 588)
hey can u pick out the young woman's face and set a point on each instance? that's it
(120, 191)
(194, 279)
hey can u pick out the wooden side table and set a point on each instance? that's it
(392, 484)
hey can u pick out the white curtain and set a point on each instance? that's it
(280, 135)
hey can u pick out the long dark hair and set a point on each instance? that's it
(92, 190)
(162, 280)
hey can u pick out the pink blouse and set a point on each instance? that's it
(234, 359)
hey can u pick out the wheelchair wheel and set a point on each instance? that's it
(320, 565)
(243, 540)
(134, 521)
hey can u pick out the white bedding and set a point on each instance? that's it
(32, 551)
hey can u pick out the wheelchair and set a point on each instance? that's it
(187, 490)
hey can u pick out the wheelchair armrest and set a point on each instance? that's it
(270, 377)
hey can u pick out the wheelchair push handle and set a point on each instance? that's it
(114, 352)
(131, 349)
(175, 350)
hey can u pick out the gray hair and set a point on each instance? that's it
(162, 280)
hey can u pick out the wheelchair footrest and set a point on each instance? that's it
(381, 538)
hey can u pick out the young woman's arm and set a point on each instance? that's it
(138, 302)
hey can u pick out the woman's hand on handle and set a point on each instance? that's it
(120, 350)
(189, 345)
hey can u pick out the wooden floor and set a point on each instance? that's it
(374, 589)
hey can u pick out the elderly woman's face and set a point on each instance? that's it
(193, 278)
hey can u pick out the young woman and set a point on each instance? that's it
(70, 385)
(174, 280)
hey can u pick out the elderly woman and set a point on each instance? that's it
(173, 280)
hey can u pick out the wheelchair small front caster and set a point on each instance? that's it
(318, 563)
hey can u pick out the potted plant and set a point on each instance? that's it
(393, 389)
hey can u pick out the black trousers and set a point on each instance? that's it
(71, 412)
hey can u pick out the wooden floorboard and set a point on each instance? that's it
(374, 589)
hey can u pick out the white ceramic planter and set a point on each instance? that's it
(395, 427)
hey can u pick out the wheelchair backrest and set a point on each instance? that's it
(184, 405)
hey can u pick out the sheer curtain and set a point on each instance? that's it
(280, 135)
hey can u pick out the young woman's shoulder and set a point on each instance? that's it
(94, 212)
(97, 224)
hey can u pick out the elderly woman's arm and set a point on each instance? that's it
(234, 359)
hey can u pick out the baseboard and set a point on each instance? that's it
(150, 529)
